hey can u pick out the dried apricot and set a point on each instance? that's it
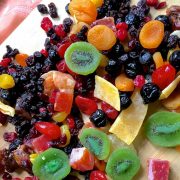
(83, 10)
(158, 60)
(102, 37)
(21, 59)
(151, 34)
(98, 3)
(123, 83)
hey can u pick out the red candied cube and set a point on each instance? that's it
(158, 169)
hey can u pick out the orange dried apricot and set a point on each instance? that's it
(151, 34)
(98, 3)
(123, 83)
(102, 37)
(83, 10)
(158, 60)
(21, 59)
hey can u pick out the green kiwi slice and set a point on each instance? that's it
(123, 164)
(52, 164)
(82, 58)
(163, 129)
(96, 142)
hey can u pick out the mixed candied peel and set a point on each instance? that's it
(78, 104)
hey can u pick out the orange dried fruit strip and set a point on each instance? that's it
(123, 83)
(21, 59)
(158, 60)
(83, 10)
(102, 37)
(151, 34)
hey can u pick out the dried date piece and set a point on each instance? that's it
(53, 10)
(174, 15)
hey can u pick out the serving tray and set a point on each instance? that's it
(29, 37)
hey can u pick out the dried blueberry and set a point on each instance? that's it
(175, 60)
(165, 20)
(172, 41)
(150, 93)
(113, 67)
(42, 8)
(125, 100)
(145, 58)
(98, 118)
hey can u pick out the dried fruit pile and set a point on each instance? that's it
(78, 104)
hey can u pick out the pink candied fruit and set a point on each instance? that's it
(152, 2)
(158, 169)
(139, 81)
(46, 24)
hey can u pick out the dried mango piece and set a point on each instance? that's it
(107, 92)
(8, 110)
(128, 123)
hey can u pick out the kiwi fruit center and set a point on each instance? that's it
(82, 58)
(53, 165)
(94, 144)
(122, 166)
(166, 128)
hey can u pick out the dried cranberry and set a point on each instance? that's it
(161, 5)
(60, 31)
(163, 76)
(44, 52)
(122, 25)
(109, 110)
(139, 81)
(62, 48)
(152, 2)
(9, 136)
(6, 176)
(5, 62)
(31, 178)
(86, 105)
(3, 118)
(71, 122)
(74, 38)
(61, 66)
(122, 34)
(46, 24)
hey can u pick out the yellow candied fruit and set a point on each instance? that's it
(97, 3)
(6, 81)
(32, 157)
(65, 130)
(60, 116)
(158, 60)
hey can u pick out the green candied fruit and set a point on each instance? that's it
(123, 164)
(52, 164)
(163, 129)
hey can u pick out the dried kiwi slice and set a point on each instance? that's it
(96, 141)
(52, 164)
(163, 129)
(82, 58)
(123, 164)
